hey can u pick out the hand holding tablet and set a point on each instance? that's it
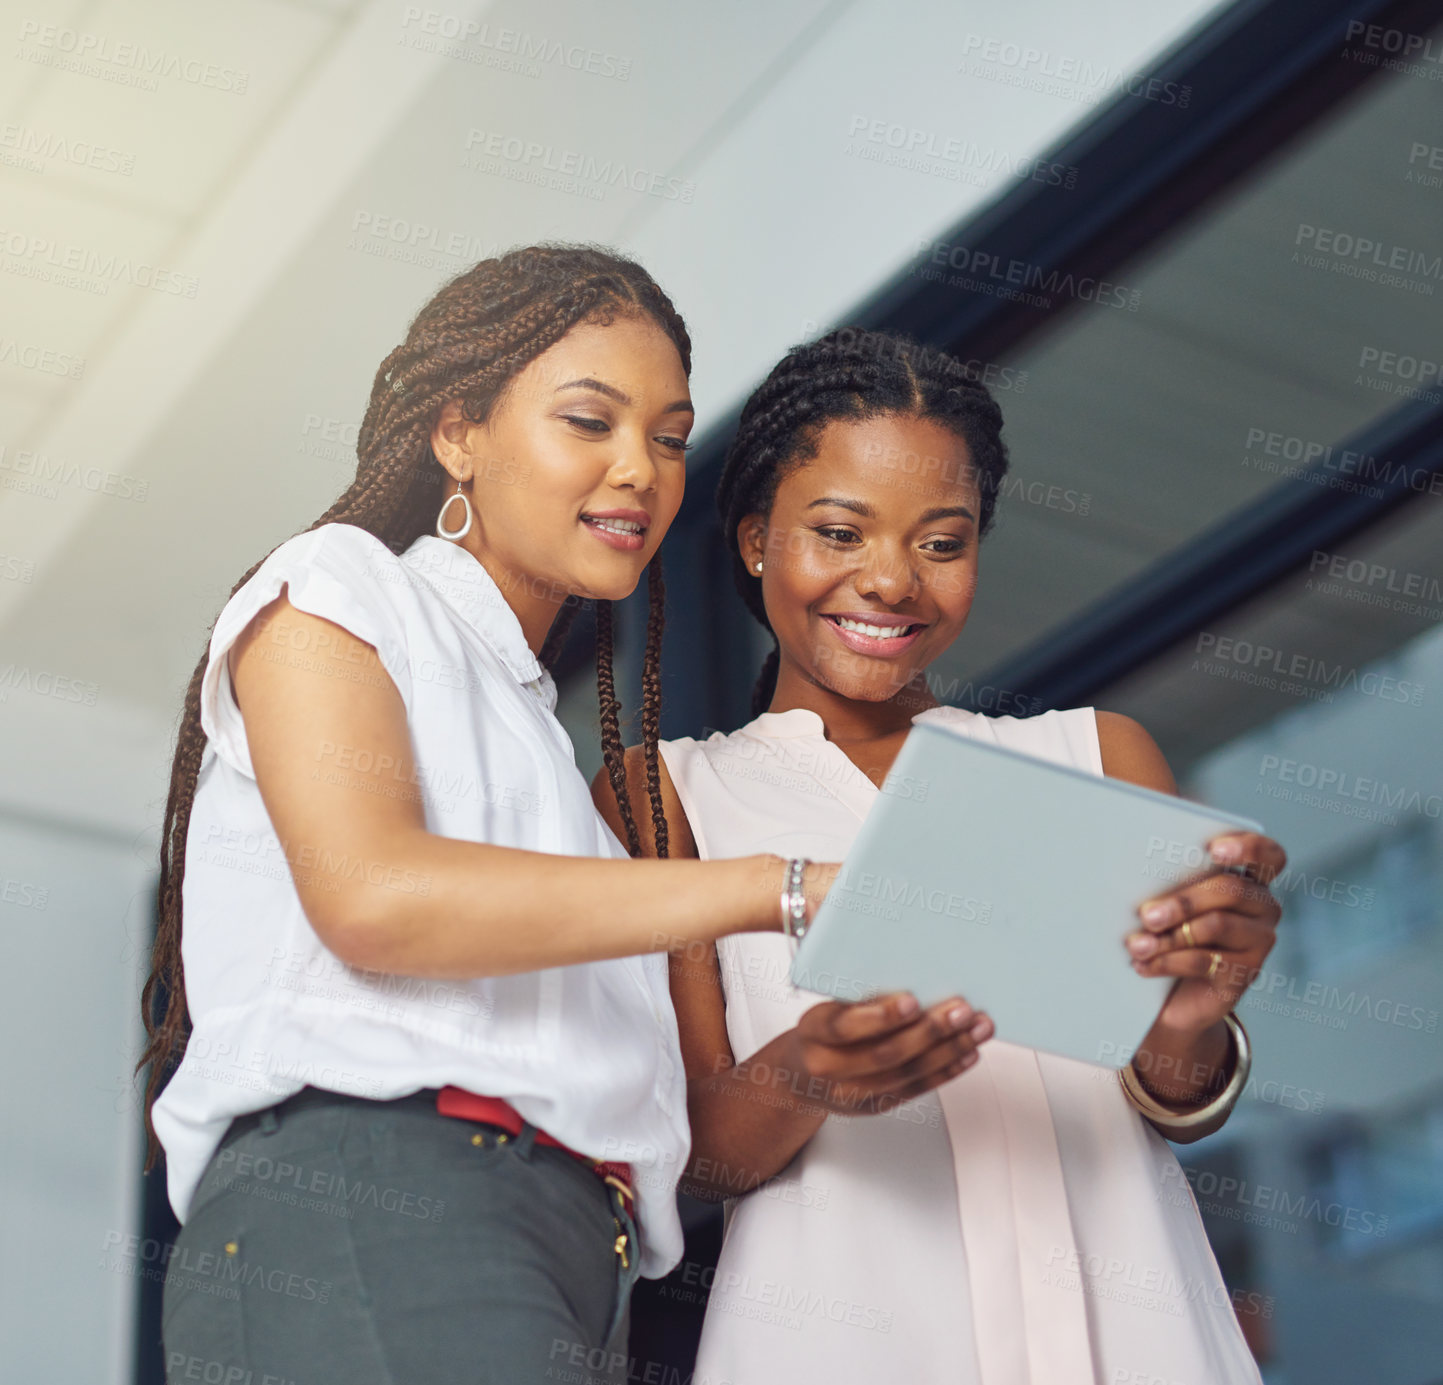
(1014, 882)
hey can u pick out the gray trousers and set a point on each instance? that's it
(338, 1241)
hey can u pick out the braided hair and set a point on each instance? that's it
(466, 344)
(849, 374)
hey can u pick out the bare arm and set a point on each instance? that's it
(749, 1119)
(736, 1140)
(1183, 1059)
(332, 757)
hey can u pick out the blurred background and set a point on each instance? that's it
(1195, 248)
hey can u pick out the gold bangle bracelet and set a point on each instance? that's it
(1199, 1120)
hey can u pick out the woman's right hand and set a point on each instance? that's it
(865, 1057)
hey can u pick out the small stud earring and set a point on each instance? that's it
(759, 567)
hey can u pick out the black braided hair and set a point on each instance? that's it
(851, 373)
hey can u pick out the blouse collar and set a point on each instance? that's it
(802, 721)
(469, 590)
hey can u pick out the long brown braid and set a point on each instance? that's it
(466, 344)
(613, 755)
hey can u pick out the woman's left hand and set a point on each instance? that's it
(1213, 933)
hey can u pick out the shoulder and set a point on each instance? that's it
(1098, 741)
(337, 573)
(680, 841)
(331, 555)
(342, 550)
(325, 577)
(1129, 752)
(1065, 736)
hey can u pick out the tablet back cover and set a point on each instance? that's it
(1010, 881)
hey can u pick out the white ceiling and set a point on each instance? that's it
(201, 411)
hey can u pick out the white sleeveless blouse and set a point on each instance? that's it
(1020, 1225)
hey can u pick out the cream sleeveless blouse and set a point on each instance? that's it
(1021, 1225)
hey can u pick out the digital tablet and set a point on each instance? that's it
(1012, 882)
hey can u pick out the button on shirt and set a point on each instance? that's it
(588, 1053)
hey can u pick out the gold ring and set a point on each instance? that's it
(1185, 928)
(1215, 965)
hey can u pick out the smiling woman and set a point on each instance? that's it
(969, 1209)
(414, 973)
(920, 538)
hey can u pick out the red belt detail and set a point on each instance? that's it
(464, 1105)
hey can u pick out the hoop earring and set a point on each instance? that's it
(455, 535)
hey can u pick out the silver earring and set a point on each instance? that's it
(455, 535)
(759, 566)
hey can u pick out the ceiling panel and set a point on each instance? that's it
(321, 206)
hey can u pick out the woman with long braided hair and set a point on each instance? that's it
(914, 1198)
(412, 1057)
